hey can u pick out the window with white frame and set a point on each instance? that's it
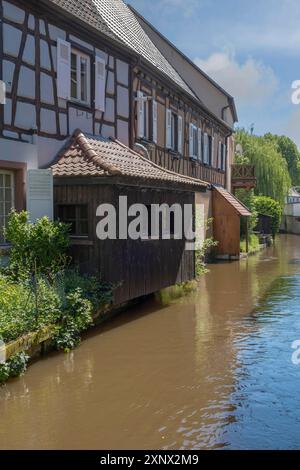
(80, 77)
(223, 156)
(194, 141)
(146, 117)
(6, 199)
(208, 147)
(173, 131)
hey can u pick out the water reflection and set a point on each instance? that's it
(211, 370)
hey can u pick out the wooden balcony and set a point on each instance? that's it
(243, 177)
(186, 166)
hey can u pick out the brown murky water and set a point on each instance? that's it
(210, 370)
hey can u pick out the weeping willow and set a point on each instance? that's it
(272, 173)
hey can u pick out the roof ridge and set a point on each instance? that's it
(91, 155)
(190, 178)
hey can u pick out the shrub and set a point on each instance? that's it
(253, 244)
(93, 289)
(247, 197)
(26, 307)
(38, 248)
(75, 318)
(13, 367)
(200, 255)
(267, 206)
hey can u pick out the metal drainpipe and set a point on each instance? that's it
(228, 168)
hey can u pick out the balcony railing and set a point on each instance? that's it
(243, 176)
(186, 166)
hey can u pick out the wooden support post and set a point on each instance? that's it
(247, 235)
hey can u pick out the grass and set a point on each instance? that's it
(253, 244)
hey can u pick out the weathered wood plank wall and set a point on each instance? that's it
(140, 267)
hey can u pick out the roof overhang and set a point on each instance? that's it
(237, 205)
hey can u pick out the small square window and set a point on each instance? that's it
(76, 216)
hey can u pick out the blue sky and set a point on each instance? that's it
(252, 48)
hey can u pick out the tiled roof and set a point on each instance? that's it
(117, 21)
(86, 155)
(86, 11)
(233, 201)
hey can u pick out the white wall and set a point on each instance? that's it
(22, 152)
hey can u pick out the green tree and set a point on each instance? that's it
(272, 173)
(290, 153)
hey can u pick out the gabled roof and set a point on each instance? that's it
(87, 155)
(86, 11)
(114, 19)
(240, 208)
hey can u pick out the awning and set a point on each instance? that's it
(240, 208)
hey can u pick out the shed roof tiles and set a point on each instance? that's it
(233, 201)
(87, 155)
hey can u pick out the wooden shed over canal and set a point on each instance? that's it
(91, 171)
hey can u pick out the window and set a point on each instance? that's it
(210, 150)
(194, 142)
(146, 117)
(207, 149)
(76, 216)
(80, 77)
(6, 199)
(223, 157)
(173, 131)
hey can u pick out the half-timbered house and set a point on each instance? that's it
(93, 65)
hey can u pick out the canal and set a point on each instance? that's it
(210, 370)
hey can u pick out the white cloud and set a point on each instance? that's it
(188, 7)
(250, 83)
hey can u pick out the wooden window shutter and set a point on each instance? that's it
(154, 121)
(39, 194)
(179, 142)
(224, 157)
(140, 115)
(206, 150)
(168, 128)
(220, 156)
(63, 69)
(100, 82)
(199, 144)
(191, 140)
(212, 151)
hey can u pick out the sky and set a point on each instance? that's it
(251, 48)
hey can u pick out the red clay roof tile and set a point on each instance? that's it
(86, 155)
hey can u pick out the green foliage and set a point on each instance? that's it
(37, 291)
(75, 318)
(267, 206)
(200, 255)
(99, 293)
(13, 367)
(290, 153)
(22, 311)
(272, 173)
(38, 248)
(247, 197)
(253, 244)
